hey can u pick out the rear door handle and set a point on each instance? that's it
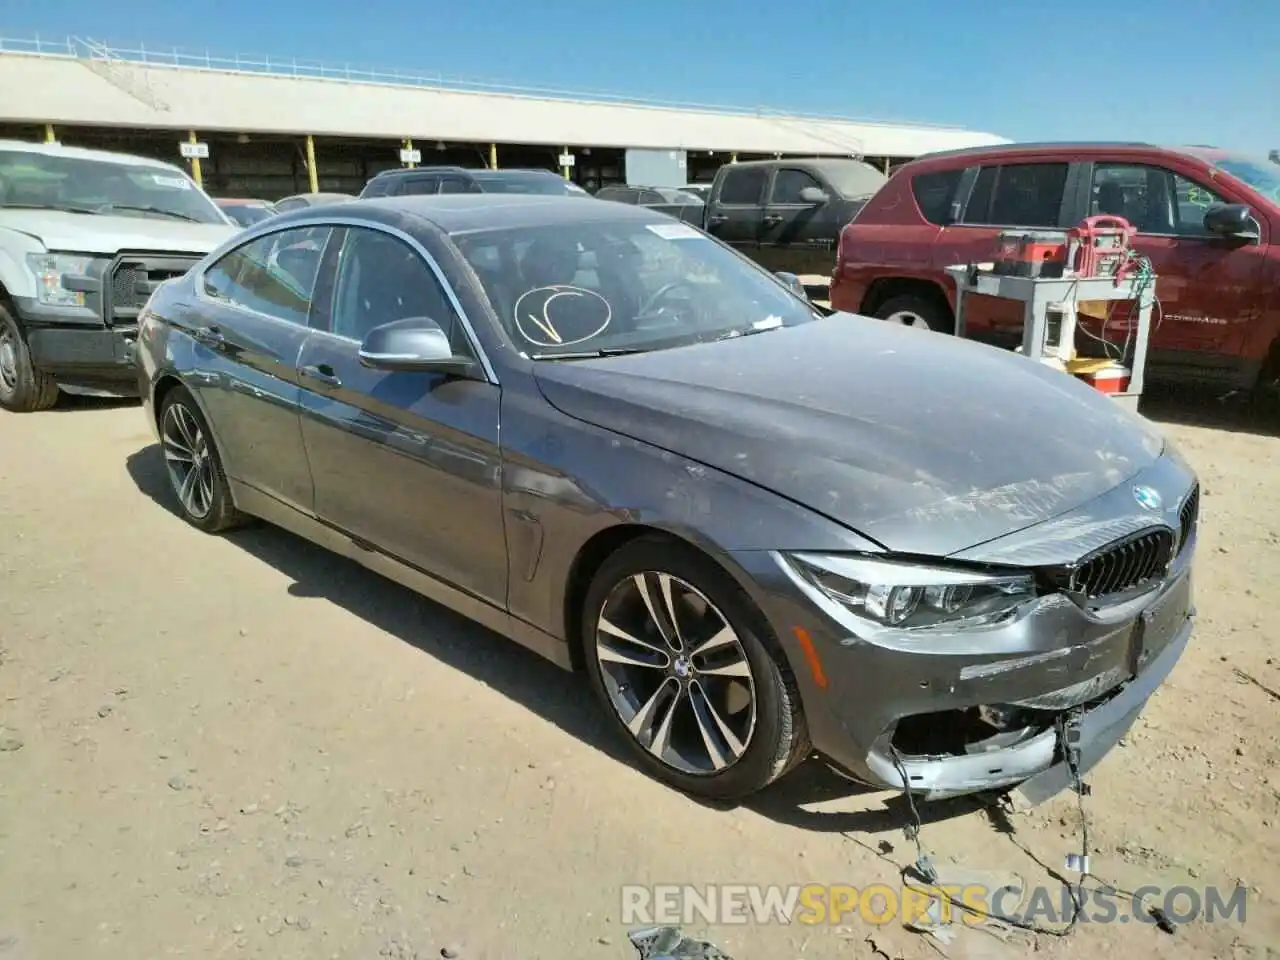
(771, 219)
(719, 218)
(323, 373)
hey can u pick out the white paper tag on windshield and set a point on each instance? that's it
(674, 231)
(173, 183)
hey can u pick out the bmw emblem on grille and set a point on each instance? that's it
(1148, 497)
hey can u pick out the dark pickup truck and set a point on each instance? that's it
(787, 214)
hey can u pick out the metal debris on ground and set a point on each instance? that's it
(668, 943)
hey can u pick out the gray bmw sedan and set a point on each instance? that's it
(760, 531)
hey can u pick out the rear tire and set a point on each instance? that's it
(193, 466)
(710, 707)
(23, 388)
(917, 312)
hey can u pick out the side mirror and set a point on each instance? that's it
(414, 344)
(793, 282)
(1230, 220)
(814, 195)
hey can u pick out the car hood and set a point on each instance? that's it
(104, 234)
(922, 442)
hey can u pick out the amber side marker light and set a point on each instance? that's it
(811, 655)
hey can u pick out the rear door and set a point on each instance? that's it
(1024, 195)
(1207, 286)
(737, 206)
(407, 462)
(255, 305)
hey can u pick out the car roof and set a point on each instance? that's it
(1071, 146)
(459, 213)
(470, 171)
(82, 153)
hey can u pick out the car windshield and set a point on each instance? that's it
(528, 183)
(592, 288)
(854, 178)
(1262, 175)
(247, 214)
(50, 182)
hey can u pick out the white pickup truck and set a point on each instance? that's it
(85, 237)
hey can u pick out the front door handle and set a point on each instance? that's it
(323, 373)
(717, 219)
(210, 336)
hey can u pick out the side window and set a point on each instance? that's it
(788, 184)
(651, 196)
(415, 185)
(381, 279)
(1018, 195)
(274, 274)
(284, 206)
(1154, 199)
(455, 185)
(1192, 202)
(744, 186)
(934, 193)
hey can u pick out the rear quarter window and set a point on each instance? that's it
(934, 193)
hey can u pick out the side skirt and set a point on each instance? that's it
(261, 505)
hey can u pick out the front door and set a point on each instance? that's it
(1206, 285)
(735, 211)
(407, 462)
(248, 333)
(798, 235)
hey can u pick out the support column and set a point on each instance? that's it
(408, 145)
(50, 136)
(564, 171)
(493, 156)
(886, 166)
(313, 177)
(196, 173)
(733, 157)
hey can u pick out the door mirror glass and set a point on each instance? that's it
(1230, 220)
(793, 282)
(412, 344)
(814, 195)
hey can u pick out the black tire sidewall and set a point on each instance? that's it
(27, 384)
(221, 508)
(935, 316)
(759, 766)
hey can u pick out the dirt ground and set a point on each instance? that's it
(245, 747)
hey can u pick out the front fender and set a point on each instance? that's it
(566, 481)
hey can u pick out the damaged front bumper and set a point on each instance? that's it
(947, 714)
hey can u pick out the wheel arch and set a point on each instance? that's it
(884, 289)
(603, 544)
(165, 384)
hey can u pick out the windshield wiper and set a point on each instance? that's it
(760, 326)
(60, 207)
(589, 354)
(145, 209)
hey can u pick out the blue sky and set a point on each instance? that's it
(1172, 71)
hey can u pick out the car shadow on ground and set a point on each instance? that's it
(1198, 406)
(562, 698)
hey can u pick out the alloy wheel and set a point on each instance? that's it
(908, 318)
(676, 673)
(189, 460)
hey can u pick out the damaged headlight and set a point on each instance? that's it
(905, 595)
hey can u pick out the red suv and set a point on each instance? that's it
(1208, 220)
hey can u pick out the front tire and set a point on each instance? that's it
(23, 388)
(690, 671)
(917, 312)
(193, 466)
